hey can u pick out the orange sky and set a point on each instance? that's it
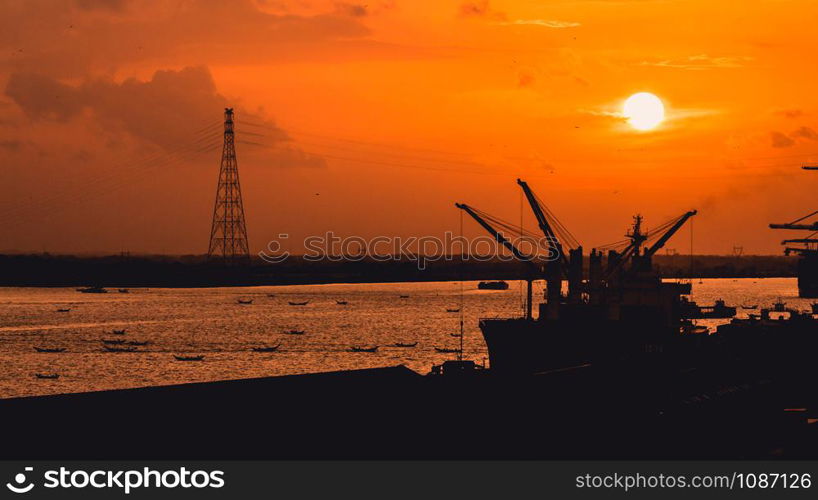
(374, 118)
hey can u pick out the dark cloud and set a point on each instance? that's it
(70, 39)
(790, 113)
(805, 133)
(12, 145)
(43, 97)
(112, 5)
(525, 79)
(480, 8)
(351, 9)
(163, 111)
(780, 140)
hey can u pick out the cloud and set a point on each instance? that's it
(12, 145)
(525, 79)
(44, 97)
(480, 8)
(112, 5)
(78, 37)
(700, 62)
(540, 22)
(790, 113)
(352, 9)
(780, 140)
(805, 133)
(163, 111)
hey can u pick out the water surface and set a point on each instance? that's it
(209, 321)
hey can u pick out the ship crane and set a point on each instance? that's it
(550, 228)
(637, 238)
(670, 232)
(561, 263)
(535, 270)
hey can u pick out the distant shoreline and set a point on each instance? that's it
(122, 271)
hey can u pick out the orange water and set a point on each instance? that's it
(210, 322)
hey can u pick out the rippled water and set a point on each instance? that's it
(211, 322)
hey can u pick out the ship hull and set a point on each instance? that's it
(530, 346)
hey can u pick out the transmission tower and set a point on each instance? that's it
(228, 234)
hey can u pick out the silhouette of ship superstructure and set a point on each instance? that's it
(719, 310)
(806, 249)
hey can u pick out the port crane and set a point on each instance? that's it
(797, 225)
(550, 229)
(641, 261)
(569, 264)
(807, 252)
(534, 269)
(557, 236)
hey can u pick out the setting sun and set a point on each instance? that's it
(644, 111)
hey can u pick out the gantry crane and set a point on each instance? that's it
(808, 253)
(809, 242)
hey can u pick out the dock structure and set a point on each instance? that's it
(584, 412)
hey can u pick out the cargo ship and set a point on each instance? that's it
(623, 310)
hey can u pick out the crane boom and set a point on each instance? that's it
(800, 240)
(542, 221)
(800, 227)
(514, 250)
(498, 236)
(670, 232)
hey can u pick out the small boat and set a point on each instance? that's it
(453, 310)
(492, 285)
(118, 332)
(363, 349)
(446, 350)
(401, 344)
(271, 348)
(245, 301)
(119, 349)
(92, 289)
(456, 334)
(124, 290)
(404, 296)
(752, 306)
(49, 349)
(295, 332)
(137, 342)
(692, 329)
(50, 376)
(200, 357)
(113, 342)
(341, 302)
(304, 303)
(63, 309)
